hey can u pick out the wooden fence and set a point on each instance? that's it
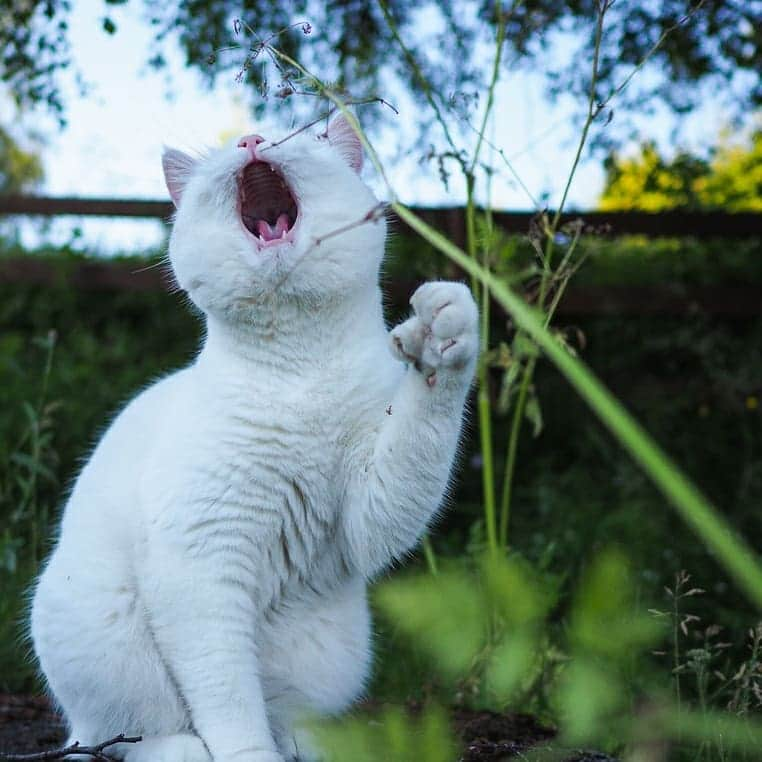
(450, 220)
(736, 301)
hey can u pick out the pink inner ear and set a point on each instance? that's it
(342, 136)
(177, 171)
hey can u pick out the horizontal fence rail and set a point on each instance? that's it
(448, 219)
(729, 301)
(726, 301)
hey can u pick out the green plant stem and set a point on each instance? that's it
(499, 39)
(484, 410)
(513, 445)
(703, 518)
(430, 556)
(519, 410)
(482, 293)
(547, 274)
(592, 112)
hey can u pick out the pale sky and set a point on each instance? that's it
(112, 145)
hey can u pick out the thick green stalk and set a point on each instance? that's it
(732, 552)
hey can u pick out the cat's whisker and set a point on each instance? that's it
(163, 262)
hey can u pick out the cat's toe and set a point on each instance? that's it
(407, 339)
(432, 299)
(453, 337)
(457, 353)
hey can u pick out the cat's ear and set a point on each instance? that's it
(177, 171)
(345, 139)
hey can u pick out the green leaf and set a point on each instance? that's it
(436, 741)
(514, 590)
(34, 466)
(511, 663)
(445, 616)
(523, 346)
(399, 736)
(390, 736)
(604, 620)
(31, 414)
(109, 27)
(533, 414)
(348, 740)
(588, 696)
(507, 387)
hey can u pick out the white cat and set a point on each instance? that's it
(209, 581)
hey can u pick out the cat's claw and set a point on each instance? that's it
(443, 332)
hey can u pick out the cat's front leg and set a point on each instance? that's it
(393, 494)
(201, 610)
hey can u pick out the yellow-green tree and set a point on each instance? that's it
(20, 170)
(730, 179)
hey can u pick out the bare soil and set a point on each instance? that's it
(28, 724)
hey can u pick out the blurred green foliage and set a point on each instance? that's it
(20, 169)
(730, 179)
(486, 616)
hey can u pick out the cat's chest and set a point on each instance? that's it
(272, 458)
(280, 435)
(271, 471)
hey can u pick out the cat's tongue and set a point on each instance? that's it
(268, 233)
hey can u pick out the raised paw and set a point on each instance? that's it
(443, 332)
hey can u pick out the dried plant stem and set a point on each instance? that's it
(419, 75)
(341, 105)
(663, 36)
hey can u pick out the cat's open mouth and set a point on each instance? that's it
(268, 209)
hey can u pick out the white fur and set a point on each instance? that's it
(208, 584)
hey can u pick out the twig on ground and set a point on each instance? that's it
(75, 748)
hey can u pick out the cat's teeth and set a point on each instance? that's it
(281, 225)
(266, 233)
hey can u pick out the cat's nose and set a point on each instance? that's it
(251, 142)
